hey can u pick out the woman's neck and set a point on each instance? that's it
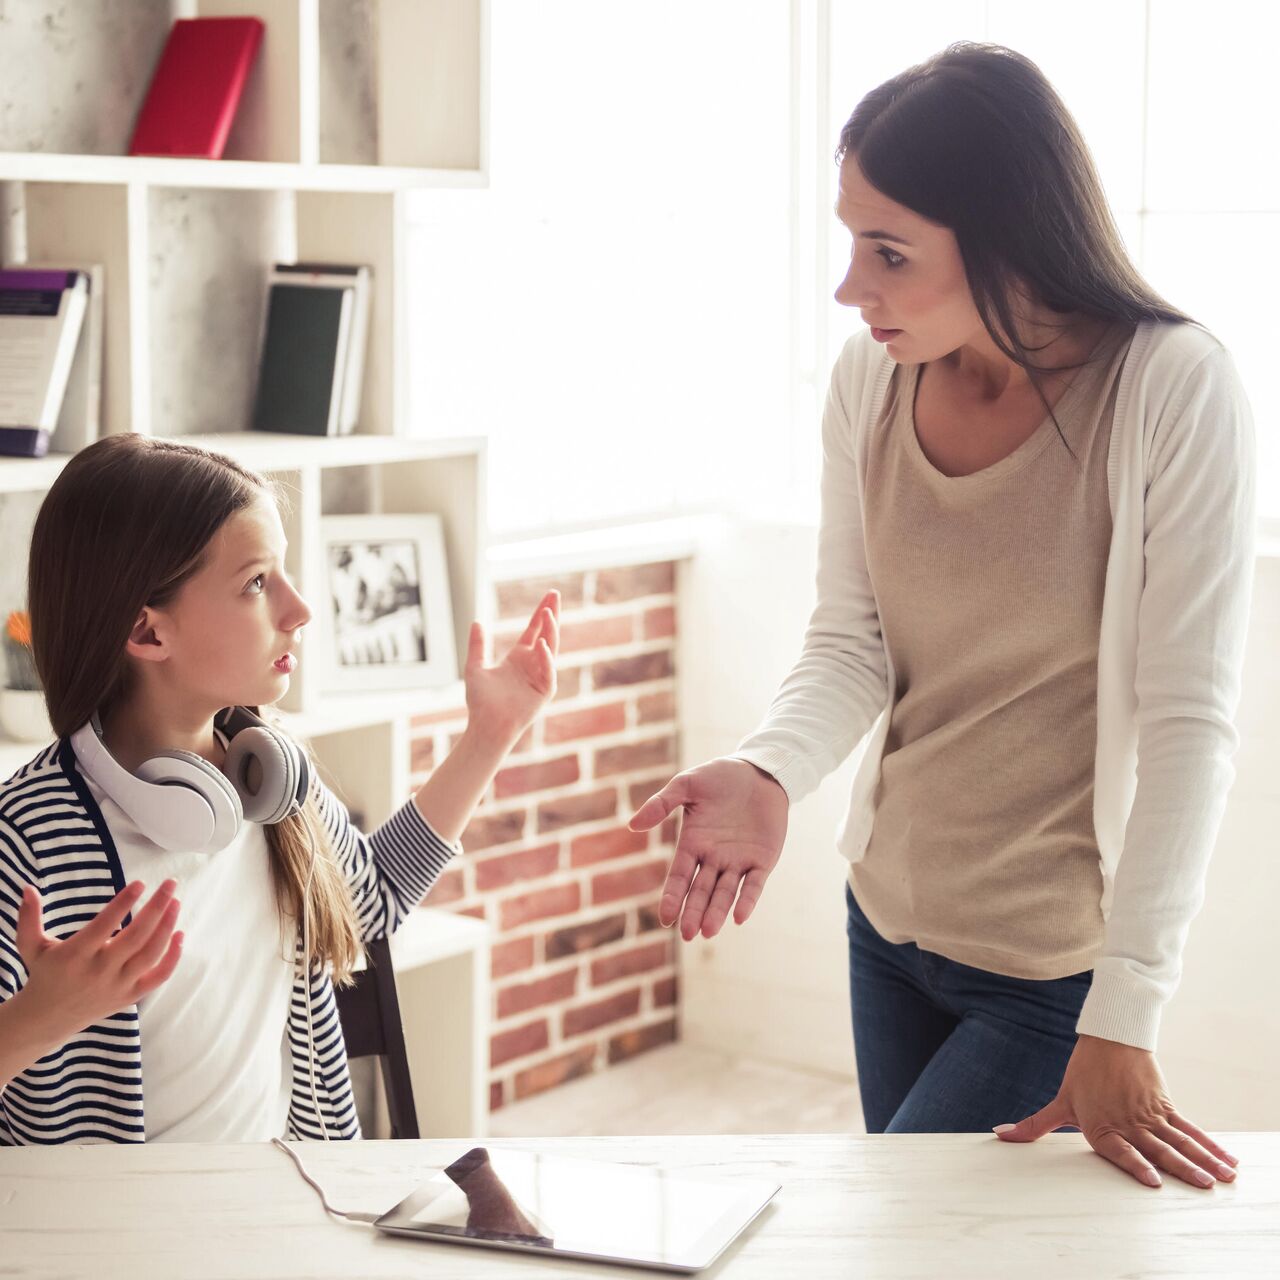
(136, 730)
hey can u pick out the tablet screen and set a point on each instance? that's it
(579, 1208)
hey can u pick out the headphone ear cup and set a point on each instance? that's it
(281, 763)
(186, 770)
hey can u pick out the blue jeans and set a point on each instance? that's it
(945, 1048)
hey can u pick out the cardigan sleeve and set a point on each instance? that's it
(1199, 542)
(838, 687)
(389, 870)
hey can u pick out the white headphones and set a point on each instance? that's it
(183, 803)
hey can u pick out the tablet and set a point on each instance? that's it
(628, 1214)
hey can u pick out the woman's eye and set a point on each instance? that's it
(888, 255)
(258, 578)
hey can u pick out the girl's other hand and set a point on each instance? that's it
(502, 701)
(77, 981)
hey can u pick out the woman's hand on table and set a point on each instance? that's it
(734, 825)
(1116, 1096)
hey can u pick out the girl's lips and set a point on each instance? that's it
(884, 335)
(287, 664)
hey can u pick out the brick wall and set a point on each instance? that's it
(583, 974)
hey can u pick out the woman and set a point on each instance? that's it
(1034, 575)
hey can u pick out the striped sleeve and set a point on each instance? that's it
(391, 869)
(16, 871)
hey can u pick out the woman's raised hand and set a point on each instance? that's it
(77, 981)
(735, 822)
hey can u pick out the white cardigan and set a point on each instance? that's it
(1181, 480)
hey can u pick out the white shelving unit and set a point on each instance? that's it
(351, 104)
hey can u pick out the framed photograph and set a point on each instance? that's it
(389, 621)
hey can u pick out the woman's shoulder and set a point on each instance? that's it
(1173, 348)
(36, 793)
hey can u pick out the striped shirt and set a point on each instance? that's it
(90, 1089)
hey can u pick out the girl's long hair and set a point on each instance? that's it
(977, 140)
(124, 526)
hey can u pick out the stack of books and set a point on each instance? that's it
(50, 358)
(311, 375)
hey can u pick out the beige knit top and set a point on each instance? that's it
(989, 589)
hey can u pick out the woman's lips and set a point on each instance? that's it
(287, 664)
(884, 335)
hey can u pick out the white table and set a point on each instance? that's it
(935, 1206)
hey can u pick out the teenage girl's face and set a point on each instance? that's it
(905, 273)
(231, 622)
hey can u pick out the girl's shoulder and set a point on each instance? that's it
(32, 801)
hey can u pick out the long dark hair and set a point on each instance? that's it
(977, 140)
(125, 525)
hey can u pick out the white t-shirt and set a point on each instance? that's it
(216, 1065)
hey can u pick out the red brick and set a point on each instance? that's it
(524, 996)
(596, 633)
(495, 1095)
(493, 828)
(546, 1075)
(665, 991)
(510, 956)
(653, 708)
(636, 581)
(630, 882)
(647, 918)
(422, 754)
(476, 913)
(507, 868)
(653, 955)
(569, 811)
(536, 777)
(540, 905)
(585, 937)
(634, 755)
(630, 1043)
(518, 599)
(448, 888)
(427, 718)
(603, 845)
(519, 1041)
(660, 623)
(587, 723)
(634, 670)
(587, 1017)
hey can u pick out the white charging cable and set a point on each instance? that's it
(311, 1182)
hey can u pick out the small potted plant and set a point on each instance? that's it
(23, 715)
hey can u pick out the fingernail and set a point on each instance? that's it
(1203, 1178)
(1151, 1178)
(1226, 1171)
(1003, 1128)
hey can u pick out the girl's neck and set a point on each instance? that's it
(136, 730)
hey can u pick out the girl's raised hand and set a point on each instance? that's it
(103, 968)
(502, 701)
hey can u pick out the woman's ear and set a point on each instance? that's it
(144, 641)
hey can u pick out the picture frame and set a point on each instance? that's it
(388, 614)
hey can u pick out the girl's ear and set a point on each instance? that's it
(143, 641)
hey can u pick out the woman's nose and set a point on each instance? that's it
(851, 292)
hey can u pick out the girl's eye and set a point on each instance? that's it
(258, 578)
(888, 255)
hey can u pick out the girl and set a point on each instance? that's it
(1034, 573)
(159, 599)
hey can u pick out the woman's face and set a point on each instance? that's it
(905, 273)
(230, 623)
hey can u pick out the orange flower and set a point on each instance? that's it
(19, 628)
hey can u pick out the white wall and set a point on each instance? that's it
(777, 987)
